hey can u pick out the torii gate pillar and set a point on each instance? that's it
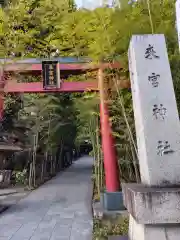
(112, 198)
(1, 93)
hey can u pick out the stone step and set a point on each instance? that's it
(7, 201)
(118, 238)
(5, 192)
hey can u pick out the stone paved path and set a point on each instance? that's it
(58, 210)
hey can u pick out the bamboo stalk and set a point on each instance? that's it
(98, 163)
(125, 117)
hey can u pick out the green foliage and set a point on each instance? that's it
(106, 227)
(35, 28)
(134, 19)
(20, 177)
(49, 121)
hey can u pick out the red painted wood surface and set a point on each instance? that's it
(1, 94)
(26, 67)
(37, 87)
(109, 151)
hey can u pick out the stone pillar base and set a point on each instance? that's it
(153, 232)
(154, 212)
(152, 205)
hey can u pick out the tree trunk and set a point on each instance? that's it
(30, 175)
(43, 171)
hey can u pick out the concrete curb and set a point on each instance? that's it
(11, 199)
(99, 212)
(8, 193)
(118, 238)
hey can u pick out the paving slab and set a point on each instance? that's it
(60, 209)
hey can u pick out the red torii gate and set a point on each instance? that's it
(30, 68)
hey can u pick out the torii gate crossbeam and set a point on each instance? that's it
(33, 66)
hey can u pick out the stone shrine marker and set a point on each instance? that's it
(154, 205)
(156, 115)
(178, 20)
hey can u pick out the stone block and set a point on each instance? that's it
(152, 232)
(152, 205)
(118, 238)
(112, 201)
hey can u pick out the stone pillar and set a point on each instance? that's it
(178, 20)
(154, 205)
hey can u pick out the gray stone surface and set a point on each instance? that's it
(58, 210)
(11, 196)
(152, 232)
(155, 110)
(157, 130)
(7, 191)
(118, 238)
(152, 205)
(99, 212)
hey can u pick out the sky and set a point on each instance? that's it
(79, 3)
(89, 3)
